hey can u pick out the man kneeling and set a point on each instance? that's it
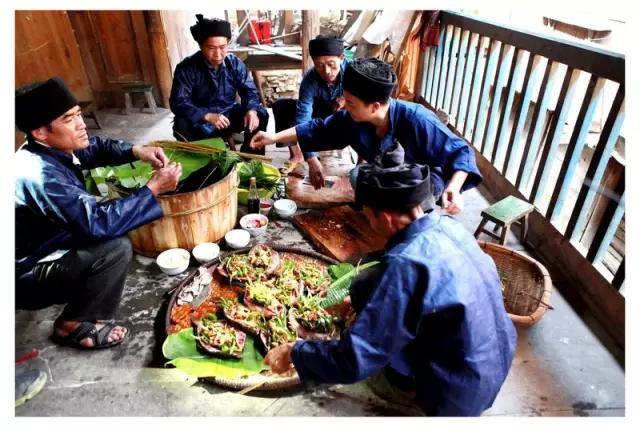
(430, 314)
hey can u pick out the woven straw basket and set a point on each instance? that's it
(526, 283)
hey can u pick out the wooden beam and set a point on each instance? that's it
(91, 58)
(271, 62)
(160, 54)
(243, 37)
(288, 27)
(277, 51)
(310, 29)
(142, 44)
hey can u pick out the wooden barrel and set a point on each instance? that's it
(189, 219)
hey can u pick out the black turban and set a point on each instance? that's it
(206, 28)
(325, 46)
(390, 184)
(369, 79)
(40, 103)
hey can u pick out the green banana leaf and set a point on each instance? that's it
(336, 271)
(339, 289)
(136, 174)
(180, 349)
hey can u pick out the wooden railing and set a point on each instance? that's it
(514, 96)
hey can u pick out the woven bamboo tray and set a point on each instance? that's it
(266, 380)
(526, 283)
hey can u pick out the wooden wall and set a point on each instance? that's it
(46, 47)
(95, 52)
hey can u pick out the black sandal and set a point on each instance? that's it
(85, 330)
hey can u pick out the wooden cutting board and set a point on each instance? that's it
(306, 196)
(340, 232)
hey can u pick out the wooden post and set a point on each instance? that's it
(243, 37)
(287, 26)
(310, 29)
(160, 53)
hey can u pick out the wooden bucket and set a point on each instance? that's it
(189, 219)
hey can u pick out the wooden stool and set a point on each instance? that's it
(503, 214)
(139, 88)
(89, 112)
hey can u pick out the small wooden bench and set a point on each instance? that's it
(145, 88)
(89, 112)
(503, 214)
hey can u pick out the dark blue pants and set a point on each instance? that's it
(88, 280)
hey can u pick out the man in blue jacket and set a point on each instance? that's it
(372, 121)
(203, 95)
(320, 93)
(430, 315)
(69, 248)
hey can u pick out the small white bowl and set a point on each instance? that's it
(285, 208)
(265, 206)
(205, 252)
(255, 224)
(237, 239)
(173, 261)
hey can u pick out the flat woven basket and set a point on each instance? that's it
(526, 284)
(262, 381)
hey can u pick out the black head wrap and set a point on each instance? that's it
(390, 184)
(39, 103)
(369, 79)
(326, 46)
(205, 28)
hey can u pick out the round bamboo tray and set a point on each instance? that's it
(526, 283)
(191, 218)
(266, 380)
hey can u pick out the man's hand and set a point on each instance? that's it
(339, 103)
(452, 201)
(279, 358)
(165, 179)
(316, 172)
(251, 120)
(261, 139)
(219, 121)
(153, 155)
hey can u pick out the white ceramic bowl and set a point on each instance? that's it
(173, 261)
(285, 208)
(237, 239)
(265, 206)
(205, 252)
(255, 224)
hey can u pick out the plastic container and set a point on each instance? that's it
(261, 30)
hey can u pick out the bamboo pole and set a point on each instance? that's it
(203, 149)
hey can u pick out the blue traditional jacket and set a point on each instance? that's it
(199, 89)
(54, 210)
(435, 315)
(316, 98)
(425, 139)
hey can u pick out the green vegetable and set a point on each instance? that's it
(255, 168)
(338, 270)
(339, 289)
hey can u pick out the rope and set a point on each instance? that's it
(201, 208)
